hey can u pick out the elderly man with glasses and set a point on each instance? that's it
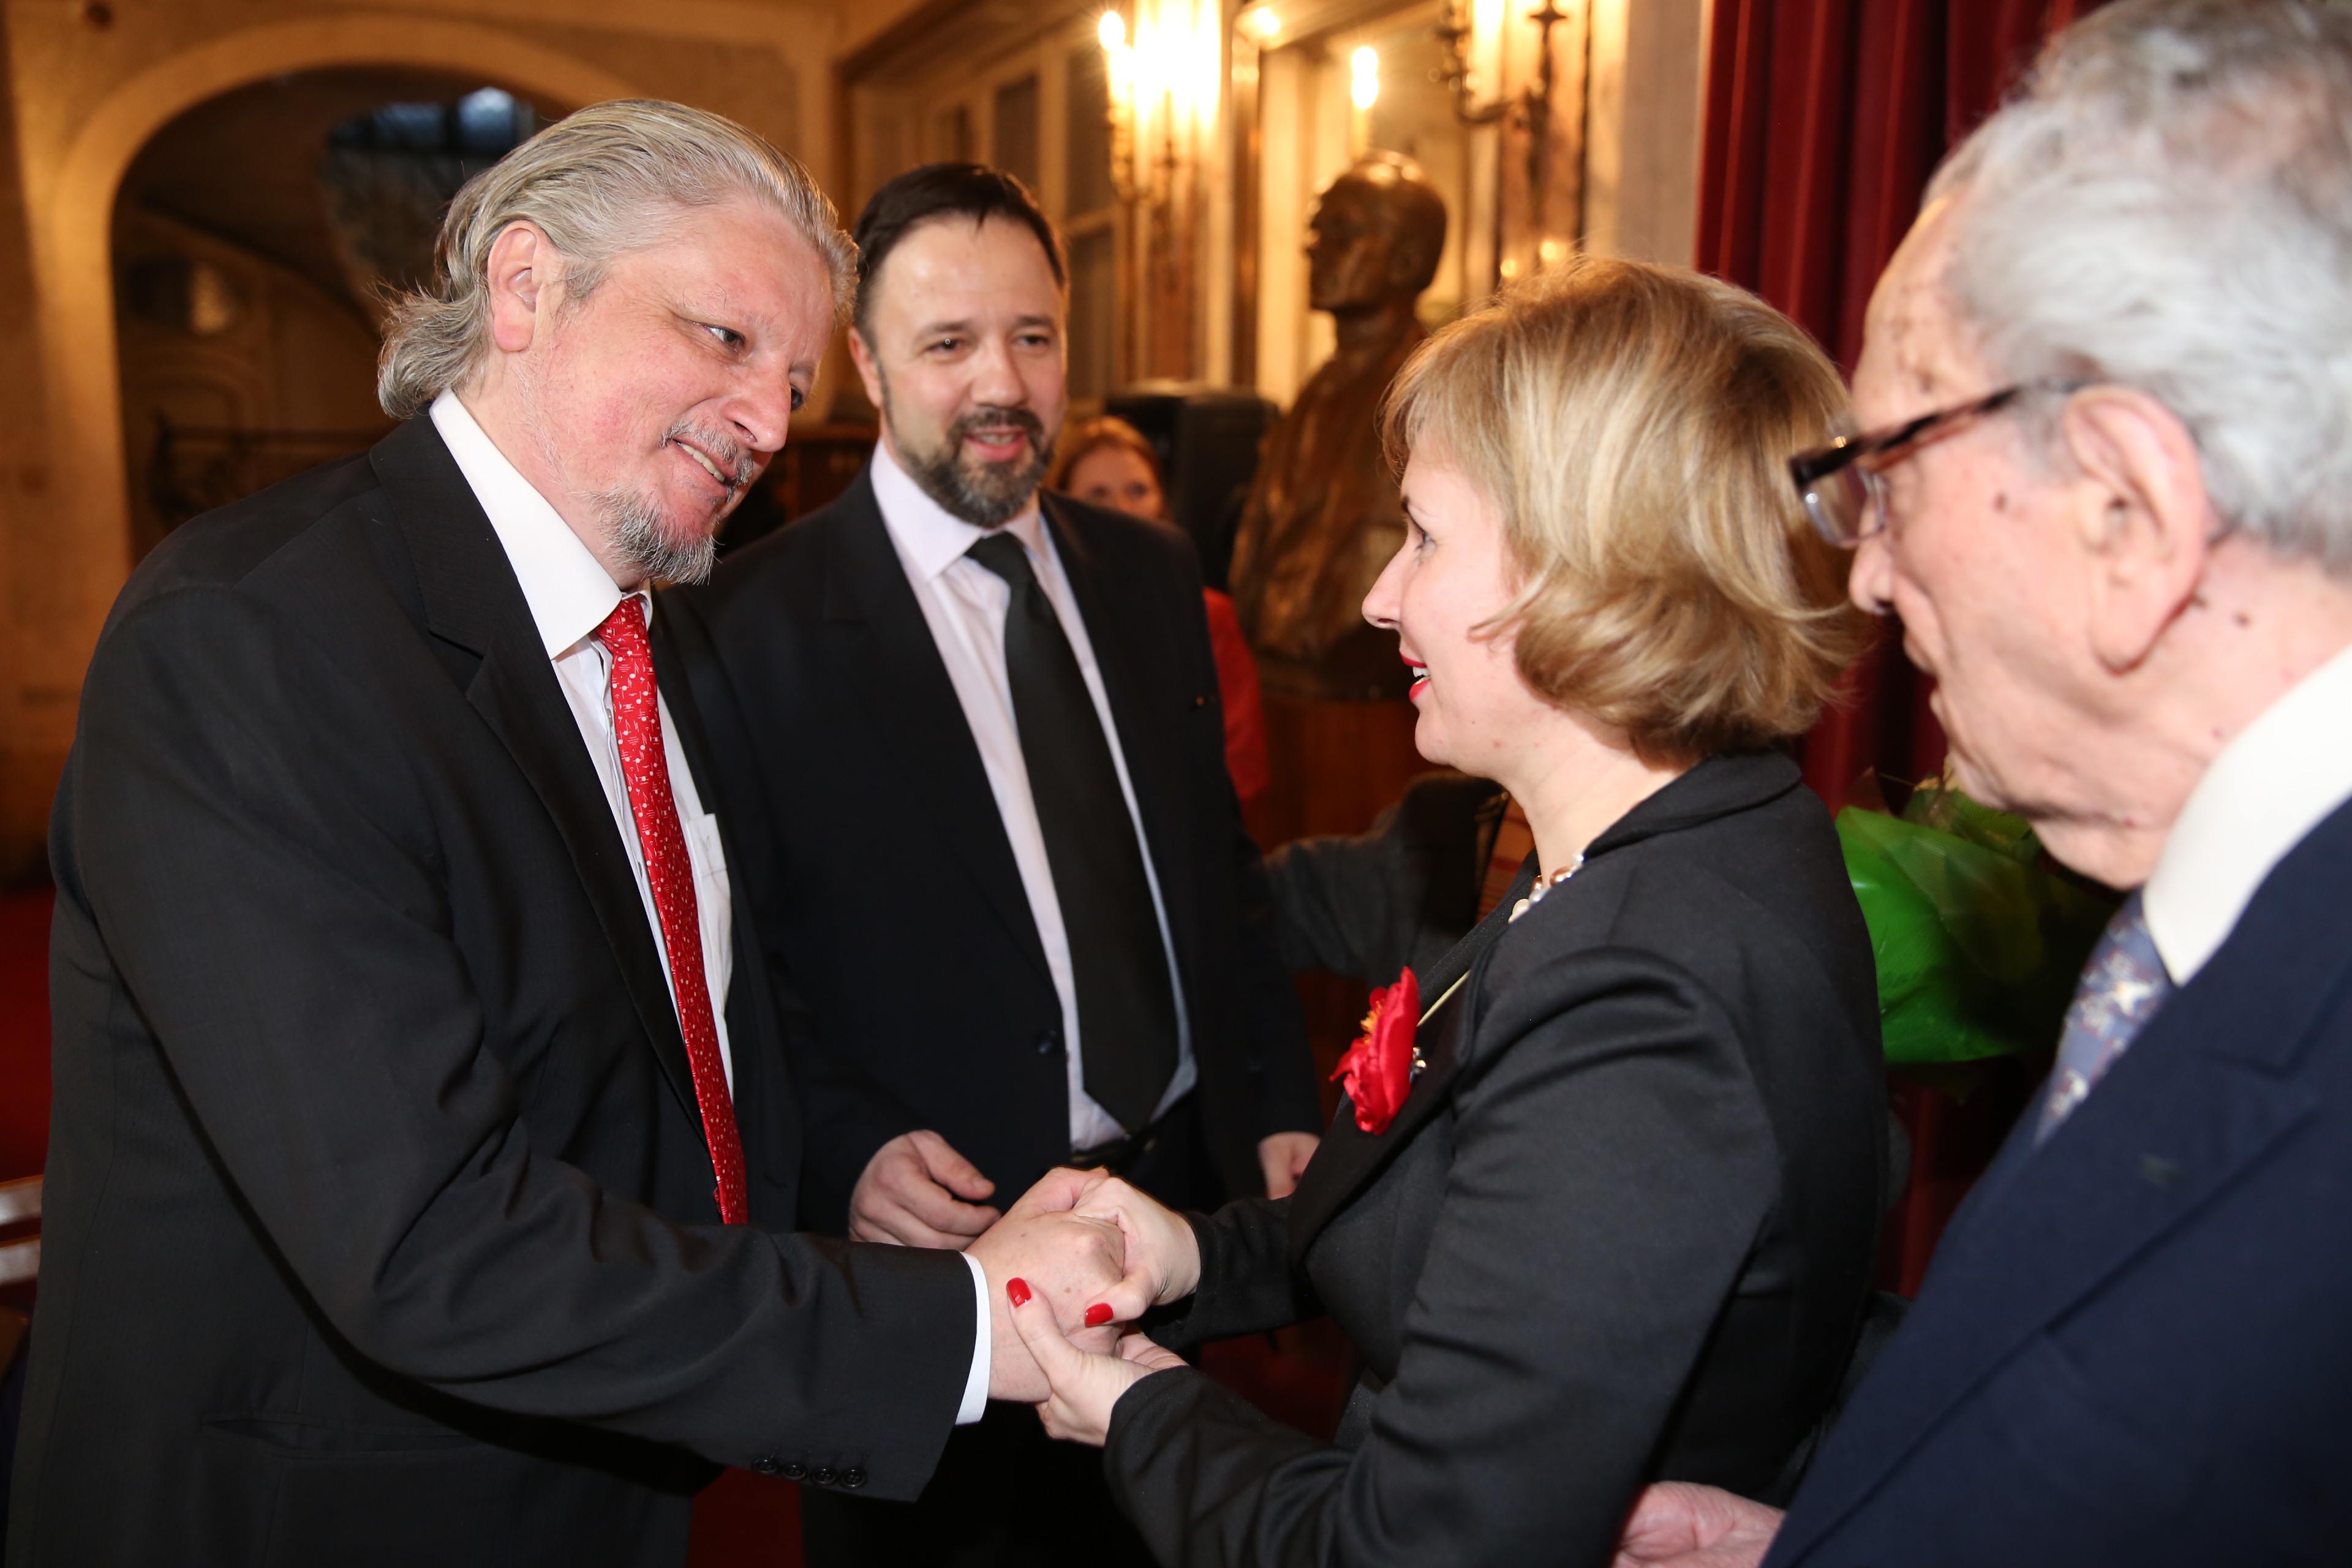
(2107, 490)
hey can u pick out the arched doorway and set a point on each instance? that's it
(252, 237)
(71, 530)
(71, 204)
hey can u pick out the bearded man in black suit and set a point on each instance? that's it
(970, 736)
(424, 1154)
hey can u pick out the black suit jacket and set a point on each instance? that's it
(889, 906)
(1619, 1231)
(380, 1223)
(2132, 1347)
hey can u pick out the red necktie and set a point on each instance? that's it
(636, 723)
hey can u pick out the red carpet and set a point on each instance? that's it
(744, 1521)
(24, 1033)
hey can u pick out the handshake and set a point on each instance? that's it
(1070, 1268)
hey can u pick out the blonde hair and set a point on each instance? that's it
(1093, 437)
(1632, 424)
(598, 184)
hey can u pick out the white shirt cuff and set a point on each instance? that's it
(975, 1382)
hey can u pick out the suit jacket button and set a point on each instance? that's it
(766, 1465)
(1046, 1043)
(795, 1471)
(853, 1478)
(823, 1475)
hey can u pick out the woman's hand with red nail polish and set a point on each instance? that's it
(1084, 1388)
(1063, 1262)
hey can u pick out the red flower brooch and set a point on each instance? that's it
(1377, 1071)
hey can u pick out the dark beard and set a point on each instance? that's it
(984, 494)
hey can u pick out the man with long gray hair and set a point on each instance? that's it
(2107, 486)
(423, 1160)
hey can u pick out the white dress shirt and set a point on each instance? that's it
(964, 604)
(570, 595)
(2271, 786)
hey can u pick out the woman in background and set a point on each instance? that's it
(1108, 463)
(1601, 1205)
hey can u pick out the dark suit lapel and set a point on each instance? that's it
(473, 600)
(2203, 1094)
(749, 1009)
(1349, 1157)
(878, 640)
(1115, 622)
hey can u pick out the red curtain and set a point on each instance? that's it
(1825, 120)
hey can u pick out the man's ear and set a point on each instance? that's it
(524, 277)
(861, 354)
(2147, 522)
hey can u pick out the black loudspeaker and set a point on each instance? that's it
(1207, 439)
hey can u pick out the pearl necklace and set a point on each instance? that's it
(1544, 884)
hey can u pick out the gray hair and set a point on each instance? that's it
(597, 184)
(2168, 206)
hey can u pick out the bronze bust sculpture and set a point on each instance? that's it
(1323, 515)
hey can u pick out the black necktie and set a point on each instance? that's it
(1127, 1009)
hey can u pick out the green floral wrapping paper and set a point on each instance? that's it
(1978, 939)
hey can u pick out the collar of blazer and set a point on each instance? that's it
(878, 641)
(473, 599)
(1349, 1157)
(2220, 1077)
(885, 648)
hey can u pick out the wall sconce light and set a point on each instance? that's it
(1364, 83)
(1119, 68)
(1262, 23)
(1529, 109)
(1165, 70)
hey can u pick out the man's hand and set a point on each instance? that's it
(1065, 1260)
(1163, 1256)
(1678, 1525)
(1283, 1157)
(910, 1191)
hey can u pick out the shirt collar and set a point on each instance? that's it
(2271, 786)
(930, 537)
(568, 589)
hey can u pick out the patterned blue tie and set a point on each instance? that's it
(2121, 987)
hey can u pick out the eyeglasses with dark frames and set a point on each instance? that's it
(1841, 483)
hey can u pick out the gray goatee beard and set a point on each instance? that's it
(635, 527)
(986, 494)
(634, 523)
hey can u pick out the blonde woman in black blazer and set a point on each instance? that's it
(1620, 1225)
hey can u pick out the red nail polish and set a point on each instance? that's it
(1099, 1314)
(1017, 1289)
